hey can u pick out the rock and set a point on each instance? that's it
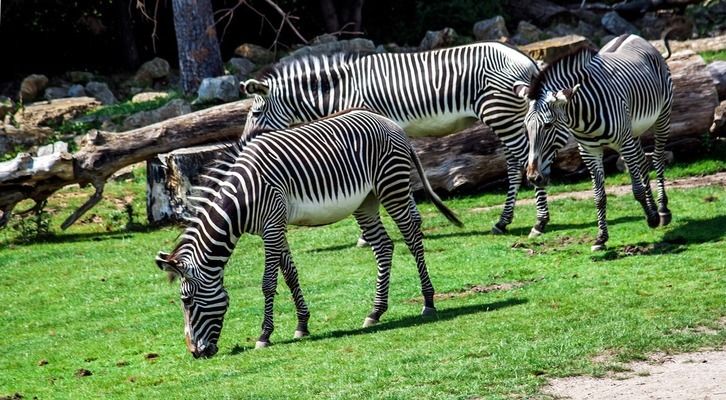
(79, 76)
(151, 70)
(54, 111)
(32, 86)
(718, 128)
(6, 106)
(55, 92)
(717, 69)
(551, 49)
(616, 25)
(148, 96)
(324, 38)
(653, 24)
(605, 39)
(527, 33)
(490, 29)
(438, 39)
(49, 149)
(171, 109)
(256, 54)
(223, 88)
(76, 91)
(561, 29)
(716, 43)
(354, 46)
(126, 173)
(240, 67)
(100, 91)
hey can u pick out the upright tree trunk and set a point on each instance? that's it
(126, 33)
(196, 40)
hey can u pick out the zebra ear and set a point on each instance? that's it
(521, 89)
(166, 263)
(565, 95)
(253, 86)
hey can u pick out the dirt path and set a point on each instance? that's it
(685, 183)
(689, 376)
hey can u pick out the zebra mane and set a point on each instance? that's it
(539, 81)
(275, 71)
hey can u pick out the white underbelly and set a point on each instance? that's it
(308, 212)
(641, 125)
(438, 125)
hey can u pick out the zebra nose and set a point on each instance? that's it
(205, 351)
(537, 178)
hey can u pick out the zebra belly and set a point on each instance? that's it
(642, 124)
(307, 212)
(438, 125)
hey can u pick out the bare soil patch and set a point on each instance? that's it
(700, 375)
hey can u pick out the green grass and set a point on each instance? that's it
(92, 298)
(711, 55)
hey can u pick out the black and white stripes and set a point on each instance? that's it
(314, 174)
(606, 98)
(428, 94)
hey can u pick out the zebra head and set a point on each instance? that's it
(547, 130)
(204, 303)
(268, 111)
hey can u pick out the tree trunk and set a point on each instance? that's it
(125, 30)
(196, 40)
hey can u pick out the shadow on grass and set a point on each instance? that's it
(686, 232)
(84, 237)
(442, 315)
(427, 236)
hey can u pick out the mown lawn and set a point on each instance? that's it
(92, 299)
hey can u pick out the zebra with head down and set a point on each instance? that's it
(432, 93)
(314, 174)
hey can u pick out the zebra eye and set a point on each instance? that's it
(256, 113)
(549, 125)
(187, 300)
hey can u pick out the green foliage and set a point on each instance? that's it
(128, 107)
(711, 56)
(94, 300)
(34, 226)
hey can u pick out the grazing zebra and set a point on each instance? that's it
(432, 93)
(606, 98)
(314, 174)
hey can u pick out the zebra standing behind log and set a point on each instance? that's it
(432, 93)
(606, 98)
(314, 174)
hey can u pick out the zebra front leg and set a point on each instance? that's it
(634, 159)
(543, 212)
(410, 228)
(594, 165)
(514, 178)
(275, 245)
(375, 234)
(662, 126)
(289, 272)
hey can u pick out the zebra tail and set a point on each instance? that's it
(453, 218)
(664, 37)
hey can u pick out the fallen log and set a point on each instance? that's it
(103, 153)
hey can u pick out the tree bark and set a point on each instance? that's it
(125, 29)
(196, 40)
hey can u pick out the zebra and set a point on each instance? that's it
(606, 98)
(314, 174)
(432, 93)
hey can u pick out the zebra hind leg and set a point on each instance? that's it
(416, 215)
(289, 272)
(662, 127)
(375, 234)
(634, 158)
(410, 227)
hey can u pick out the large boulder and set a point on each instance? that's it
(617, 25)
(437, 39)
(527, 33)
(171, 109)
(32, 86)
(48, 149)
(552, 49)
(240, 67)
(148, 96)
(256, 54)
(353, 46)
(152, 70)
(220, 89)
(6, 106)
(46, 113)
(717, 69)
(718, 127)
(79, 76)
(491, 29)
(100, 91)
(55, 92)
(76, 90)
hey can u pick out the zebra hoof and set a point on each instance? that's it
(598, 247)
(428, 312)
(369, 322)
(362, 243)
(665, 218)
(262, 345)
(653, 221)
(301, 334)
(534, 233)
(498, 231)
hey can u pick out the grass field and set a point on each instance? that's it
(87, 314)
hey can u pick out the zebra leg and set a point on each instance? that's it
(275, 245)
(634, 158)
(374, 233)
(410, 228)
(514, 178)
(416, 215)
(289, 272)
(662, 126)
(593, 160)
(543, 212)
